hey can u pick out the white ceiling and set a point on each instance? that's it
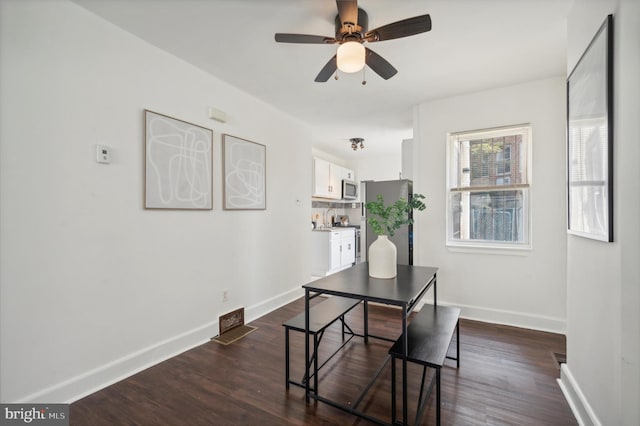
(473, 45)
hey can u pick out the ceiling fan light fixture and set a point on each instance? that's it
(351, 57)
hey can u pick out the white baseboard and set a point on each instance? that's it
(259, 309)
(92, 381)
(576, 399)
(504, 317)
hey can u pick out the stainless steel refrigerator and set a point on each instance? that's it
(391, 191)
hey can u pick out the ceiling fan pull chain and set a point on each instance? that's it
(336, 77)
(364, 81)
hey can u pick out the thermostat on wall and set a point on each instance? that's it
(103, 154)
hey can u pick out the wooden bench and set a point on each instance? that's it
(429, 336)
(321, 316)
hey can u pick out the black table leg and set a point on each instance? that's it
(405, 351)
(393, 390)
(435, 290)
(438, 396)
(306, 341)
(315, 363)
(458, 344)
(366, 321)
(286, 355)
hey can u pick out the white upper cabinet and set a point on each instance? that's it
(325, 182)
(321, 178)
(348, 174)
(327, 179)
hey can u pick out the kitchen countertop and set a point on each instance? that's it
(336, 228)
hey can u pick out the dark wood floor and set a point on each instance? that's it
(507, 377)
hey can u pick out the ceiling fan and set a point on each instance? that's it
(351, 32)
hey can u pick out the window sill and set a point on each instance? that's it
(479, 248)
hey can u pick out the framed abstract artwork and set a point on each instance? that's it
(178, 163)
(244, 172)
(590, 139)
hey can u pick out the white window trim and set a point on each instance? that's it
(489, 247)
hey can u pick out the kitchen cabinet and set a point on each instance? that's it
(327, 179)
(348, 174)
(332, 251)
(348, 248)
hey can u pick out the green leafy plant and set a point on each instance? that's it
(385, 220)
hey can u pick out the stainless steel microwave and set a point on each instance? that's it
(349, 190)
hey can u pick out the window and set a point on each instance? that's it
(488, 187)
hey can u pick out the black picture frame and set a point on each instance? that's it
(590, 139)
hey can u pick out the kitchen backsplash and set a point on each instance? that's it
(320, 208)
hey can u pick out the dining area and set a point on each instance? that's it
(506, 375)
(429, 335)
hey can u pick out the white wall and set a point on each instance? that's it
(378, 167)
(328, 157)
(94, 287)
(602, 375)
(525, 290)
(407, 159)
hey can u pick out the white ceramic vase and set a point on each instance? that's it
(383, 257)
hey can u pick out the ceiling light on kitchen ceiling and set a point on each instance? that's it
(350, 57)
(355, 142)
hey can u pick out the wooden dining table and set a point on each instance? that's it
(404, 291)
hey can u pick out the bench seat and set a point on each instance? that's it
(429, 336)
(321, 316)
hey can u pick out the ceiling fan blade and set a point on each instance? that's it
(304, 38)
(348, 11)
(328, 70)
(404, 28)
(380, 65)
